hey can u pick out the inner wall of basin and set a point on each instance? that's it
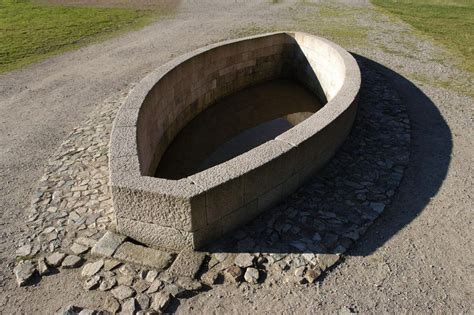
(203, 81)
(236, 124)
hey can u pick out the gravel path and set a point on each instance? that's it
(417, 257)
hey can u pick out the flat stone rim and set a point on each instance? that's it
(123, 145)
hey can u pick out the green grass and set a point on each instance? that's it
(451, 22)
(338, 25)
(30, 32)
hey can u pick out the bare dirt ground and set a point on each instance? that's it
(416, 258)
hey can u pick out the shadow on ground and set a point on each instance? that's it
(430, 156)
(398, 130)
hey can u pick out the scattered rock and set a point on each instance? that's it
(143, 301)
(123, 292)
(251, 275)
(167, 278)
(299, 274)
(55, 259)
(43, 268)
(129, 306)
(346, 311)
(309, 257)
(141, 286)
(233, 274)
(24, 271)
(220, 256)
(244, 260)
(111, 264)
(88, 242)
(189, 284)
(330, 239)
(107, 283)
(24, 251)
(299, 245)
(69, 310)
(155, 286)
(128, 270)
(111, 305)
(212, 262)
(327, 260)
(312, 274)
(91, 269)
(71, 261)
(142, 274)
(210, 277)
(161, 300)
(78, 249)
(175, 290)
(92, 283)
(299, 271)
(377, 206)
(124, 279)
(108, 244)
(151, 276)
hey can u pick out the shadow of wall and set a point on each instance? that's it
(430, 156)
(397, 128)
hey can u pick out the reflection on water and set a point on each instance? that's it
(235, 125)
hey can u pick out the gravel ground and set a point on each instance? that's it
(418, 255)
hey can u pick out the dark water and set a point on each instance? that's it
(235, 125)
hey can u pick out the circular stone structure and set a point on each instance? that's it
(193, 211)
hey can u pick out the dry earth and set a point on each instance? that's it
(416, 258)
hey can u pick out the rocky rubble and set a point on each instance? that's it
(71, 218)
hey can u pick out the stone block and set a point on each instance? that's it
(187, 263)
(193, 211)
(156, 235)
(108, 244)
(136, 254)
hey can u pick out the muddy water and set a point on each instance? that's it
(237, 124)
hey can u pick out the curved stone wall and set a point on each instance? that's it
(193, 211)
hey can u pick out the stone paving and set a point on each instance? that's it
(292, 244)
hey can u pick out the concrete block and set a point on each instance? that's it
(266, 166)
(207, 234)
(108, 244)
(223, 189)
(239, 217)
(270, 198)
(191, 212)
(149, 257)
(156, 235)
(187, 263)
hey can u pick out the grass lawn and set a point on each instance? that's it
(31, 31)
(450, 22)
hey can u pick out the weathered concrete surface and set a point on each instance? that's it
(195, 210)
(108, 244)
(149, 257)
(187, 263)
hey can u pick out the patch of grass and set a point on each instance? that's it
(253, 29)
(459, 86)
(335, 24)
(450, 22)
(30, 32)
(133, 4)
